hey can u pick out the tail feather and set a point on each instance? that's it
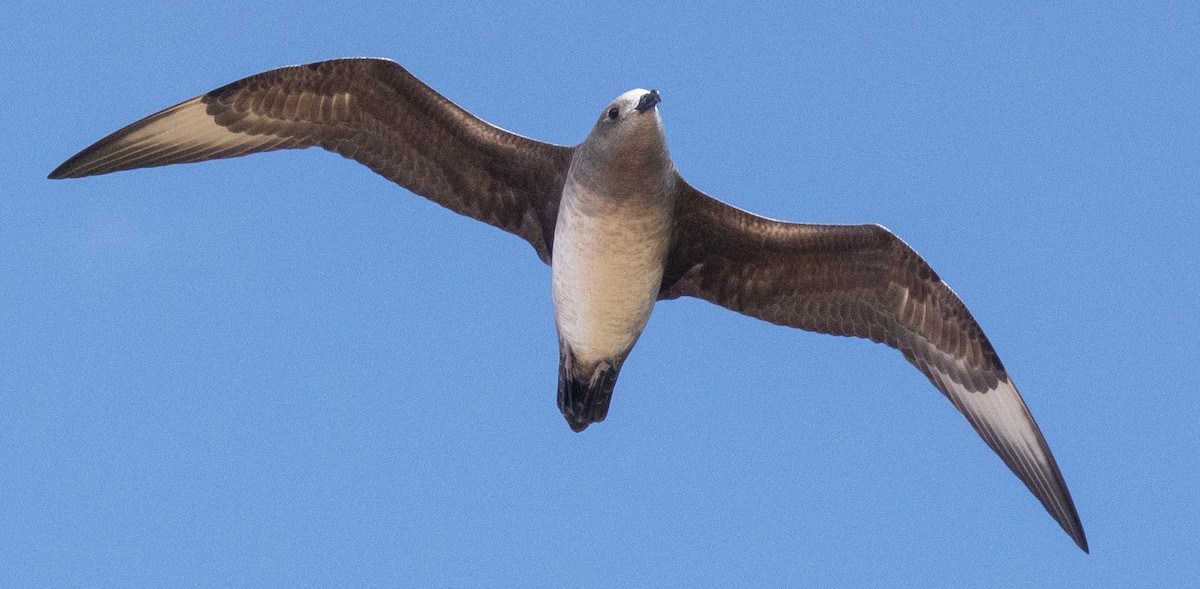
(584, 391)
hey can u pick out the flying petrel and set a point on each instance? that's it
(620, 228)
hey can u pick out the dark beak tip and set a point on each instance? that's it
(649, 100)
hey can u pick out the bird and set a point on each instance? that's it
(620, 228)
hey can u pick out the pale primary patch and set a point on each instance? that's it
(183, 133)
(1004, 422)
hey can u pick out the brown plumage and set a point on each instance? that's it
(849, 280)
(861, 281)
(374, 112)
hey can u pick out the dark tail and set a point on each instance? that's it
(584, 391)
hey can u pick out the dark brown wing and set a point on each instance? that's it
(369, 110)
(863, 281)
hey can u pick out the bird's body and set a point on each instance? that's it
(610, 248)
(619, 226)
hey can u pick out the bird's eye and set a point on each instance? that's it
(613, 112)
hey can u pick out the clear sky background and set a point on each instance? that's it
(284, 370)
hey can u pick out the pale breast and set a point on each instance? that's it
(607, 268)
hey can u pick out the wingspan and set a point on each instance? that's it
(863, 281)
(369, 110)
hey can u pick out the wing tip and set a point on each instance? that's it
(1067, 515)
(89, 161)
(81, 165)
(65, 170)
(98, 158)
(1074, 529)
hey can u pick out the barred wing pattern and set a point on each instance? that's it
(369, 110)
(863, 281)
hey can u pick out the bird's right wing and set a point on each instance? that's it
(369, 110)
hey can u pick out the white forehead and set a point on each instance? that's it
(631, 97)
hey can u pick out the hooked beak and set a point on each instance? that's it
(648, 101)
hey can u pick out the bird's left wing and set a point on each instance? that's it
(369, 110)
(863, 281)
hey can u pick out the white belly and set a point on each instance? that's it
(607, 268)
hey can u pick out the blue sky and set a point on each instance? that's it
(283, 370)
